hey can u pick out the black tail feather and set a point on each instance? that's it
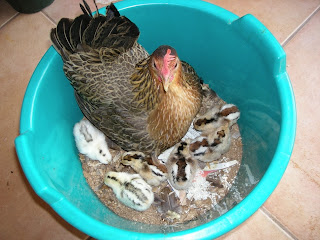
(56, 43)
(112, 11)
(87, 32)
(94, 1)
(90, 33)
(77, 29)
(86, 9)
(62, 30)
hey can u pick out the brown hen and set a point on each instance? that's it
(141, 102)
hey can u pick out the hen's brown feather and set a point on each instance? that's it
(171, 118)
(116, 88)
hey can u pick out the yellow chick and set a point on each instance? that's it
(130, 189)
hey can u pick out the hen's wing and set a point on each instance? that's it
(100, 55)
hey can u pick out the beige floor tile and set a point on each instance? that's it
(69, 9)
(6, 12)
(295, 203)
(23, 40)
(281, 17)
(296, 200)
(258, 226)
(303, 58)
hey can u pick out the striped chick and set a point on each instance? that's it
(151, 172)
(215, 118)
(211, 145)
(130, 189)
(181, 166)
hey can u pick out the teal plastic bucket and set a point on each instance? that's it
(238, 57)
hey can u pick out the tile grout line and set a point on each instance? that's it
(277, 222)
(295, 31)
(12, 17)
(296, 165)
(48, 17)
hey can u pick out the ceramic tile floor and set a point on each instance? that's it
(292, 211)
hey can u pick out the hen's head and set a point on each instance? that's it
(165, 65)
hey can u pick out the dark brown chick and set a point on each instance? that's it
(141, 102)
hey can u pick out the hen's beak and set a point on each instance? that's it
(166, 81)
(166, 84)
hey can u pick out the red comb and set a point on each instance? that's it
(166, 60)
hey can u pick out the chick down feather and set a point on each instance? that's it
(91, 142)
(130, 189)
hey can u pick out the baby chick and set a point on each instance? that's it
(130, 189)
(91, 142)
(209, 99)
(215, 117)
(208, 120)
(230, 112)
(211, 145)
(181, 167)
(152, 174)
(215, 139)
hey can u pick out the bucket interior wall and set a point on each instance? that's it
(227, 60)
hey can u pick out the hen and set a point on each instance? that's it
(141, 102)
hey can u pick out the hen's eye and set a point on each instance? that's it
(154, 64)
(176, 65)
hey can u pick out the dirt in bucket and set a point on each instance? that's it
(171, 206)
